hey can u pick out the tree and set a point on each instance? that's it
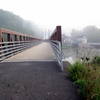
(11, 21)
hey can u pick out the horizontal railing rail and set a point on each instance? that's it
(8, 49)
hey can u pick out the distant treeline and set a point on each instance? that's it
(91, 32)
(11, 21)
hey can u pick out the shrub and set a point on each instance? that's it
(87, 79)
(96, 90)
(77, 71)
(81, 83)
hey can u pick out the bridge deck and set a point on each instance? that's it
(42, 51)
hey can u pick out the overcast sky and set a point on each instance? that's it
(49, 13)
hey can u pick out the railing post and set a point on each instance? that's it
(57, 34)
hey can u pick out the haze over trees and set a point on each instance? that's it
(92, 33)
(11, 21)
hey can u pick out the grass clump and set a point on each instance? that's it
(77, 71)
(87, 79)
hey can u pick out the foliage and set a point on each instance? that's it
(11, 21)
(81, 83)
(87, 78)
(77, 71)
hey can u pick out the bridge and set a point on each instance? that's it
(34, 70)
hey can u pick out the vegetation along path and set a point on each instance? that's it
(34, 81)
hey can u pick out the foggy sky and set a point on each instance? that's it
(49, 13)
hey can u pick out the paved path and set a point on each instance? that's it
(42, 51)
(34, 81)
(24, 78)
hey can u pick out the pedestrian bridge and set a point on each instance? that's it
(34, 49)
(33, 70)
(40, 51)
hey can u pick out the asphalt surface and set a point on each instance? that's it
(35, 81)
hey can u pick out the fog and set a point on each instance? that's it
(46, 14)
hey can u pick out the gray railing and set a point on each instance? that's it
(8, 49)
(56, 45)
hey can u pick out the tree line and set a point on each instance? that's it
(14, 22)
(92, 33)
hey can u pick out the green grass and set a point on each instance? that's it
(87, 79)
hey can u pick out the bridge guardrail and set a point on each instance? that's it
(8, 49)
(56, 45)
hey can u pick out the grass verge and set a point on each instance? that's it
(86, 78)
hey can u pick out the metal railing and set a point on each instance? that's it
(8, 49)
(56, 45)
